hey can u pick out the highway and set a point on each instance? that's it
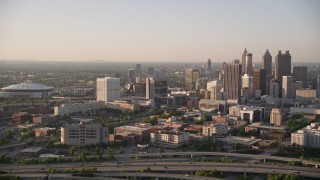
(117, 176)
(167, 167)
(200, 154)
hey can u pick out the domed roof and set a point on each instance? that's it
(27, 86)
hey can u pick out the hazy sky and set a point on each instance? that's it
(162, 30)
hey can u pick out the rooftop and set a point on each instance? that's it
(133, 128)
(27, 86)
(266, 126)
(32, 150)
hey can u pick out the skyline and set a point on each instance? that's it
(141, 31)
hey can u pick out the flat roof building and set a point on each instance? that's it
(108, 89)
(308, 136)
(84, 134)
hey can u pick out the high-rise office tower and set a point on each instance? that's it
(296, 86)
(232, 81)
(131, 76)
(160, 87)
(267, 63)
(274, 88)
(236, 61)
(191, 77)
(260, 80)
(247, 86)
(209, 65)
(299, 73)
(318, 86)
(138, 69)
(214, 87)
(150, 71)
(287, 87)
(282, 68)
(247, 81)
(243, 60)
(276, 117)
(248, 65)
(150, 88)
(108, 89)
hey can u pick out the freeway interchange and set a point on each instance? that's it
(166, 164)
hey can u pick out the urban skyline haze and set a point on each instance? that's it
(167, 31)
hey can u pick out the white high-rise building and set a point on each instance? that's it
(287, 87)
(108, 89)
(247, 86)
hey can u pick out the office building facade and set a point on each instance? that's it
(131, 76)
(232, 81)
(191, 77)
(282, 68)
(276, 117)
(260, 80)
(84, 134)
(243, 61)
(150, 88)
(299, 73)
(214, 87)
(108, 89)
(287, 87)
(248, 64)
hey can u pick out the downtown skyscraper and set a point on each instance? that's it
(191, 77)
(232, 81)
(299, 73)
(267, 63)
(282, 68)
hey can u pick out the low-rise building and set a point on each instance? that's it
(144, 132)
(270, 131)
(215, 129)
(308, 136)
(43, 118)
(252, 114)
(42, 132)
(74, 91)
(208, 105)
(247, 113)
(305, 110)
(169, 138)
(306, 95)
(123, 105)
(32, 152)
(67, 109)
(177, 125)
(84, 134)
(21, 117)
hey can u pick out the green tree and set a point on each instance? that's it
(72, 150)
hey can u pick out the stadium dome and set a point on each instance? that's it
(26, 89)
